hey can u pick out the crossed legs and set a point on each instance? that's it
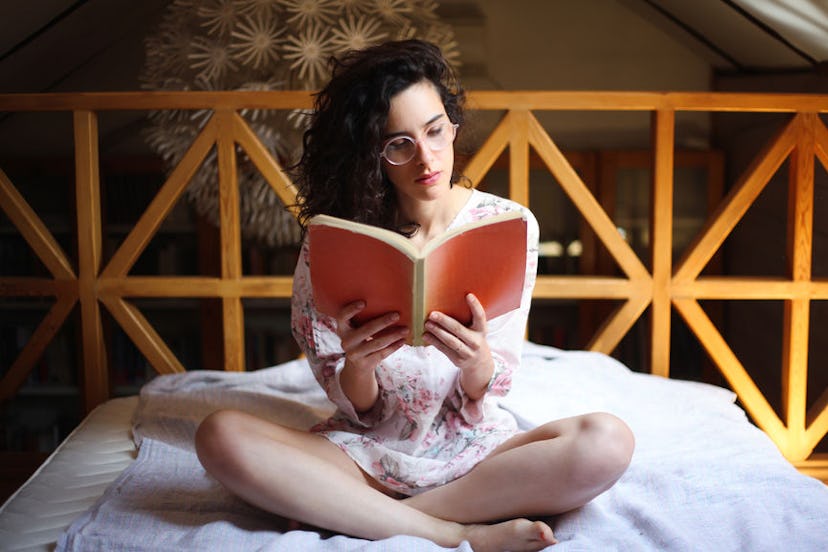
(551, 469)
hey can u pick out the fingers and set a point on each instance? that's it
(440, 332)
(374, 340)
(349, 311)
(375, 331)
(384, 342)
(455, 334)
(478, 322)
(461, 344)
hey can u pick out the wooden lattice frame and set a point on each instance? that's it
(803, 139)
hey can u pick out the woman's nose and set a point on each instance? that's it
(424, 153)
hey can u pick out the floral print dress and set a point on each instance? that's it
(423, 431)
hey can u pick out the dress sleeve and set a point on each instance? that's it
(505, 335)
(315, 333)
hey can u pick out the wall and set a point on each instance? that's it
(577, 45)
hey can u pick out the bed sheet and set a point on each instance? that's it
(702, 477)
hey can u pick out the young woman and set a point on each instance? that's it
(417, 445)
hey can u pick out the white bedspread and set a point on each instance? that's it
(702, 477)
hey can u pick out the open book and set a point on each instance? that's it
(350, 261)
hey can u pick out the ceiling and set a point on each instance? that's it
(747, 36)
(98, 45)
(79, 45)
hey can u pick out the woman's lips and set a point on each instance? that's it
(429, 179)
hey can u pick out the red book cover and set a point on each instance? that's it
(350, 261)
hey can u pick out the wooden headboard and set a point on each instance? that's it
(669, 283)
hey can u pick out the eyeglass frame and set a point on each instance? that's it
(416, 142)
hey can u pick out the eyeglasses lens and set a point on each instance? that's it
(401, 150)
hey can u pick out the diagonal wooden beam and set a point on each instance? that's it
(821, 142)
(736, 203)
(817, 420)
(618, 324)
(36, 345)
(31, 227)
(585, 202)
(267, 165)
(489, 151)
(143, 335)
(163, 202)
(740, 381)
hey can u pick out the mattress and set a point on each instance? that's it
(71, 479)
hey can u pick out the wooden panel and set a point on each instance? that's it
(519, 156)
(797, 311)
(195, 286)
(88, 199)
(230, 231)
(804, 138)
(664, 123)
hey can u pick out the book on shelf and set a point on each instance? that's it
(350, 261)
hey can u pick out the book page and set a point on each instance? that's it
(347, 266)
(489, 261)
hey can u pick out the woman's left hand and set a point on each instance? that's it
(465, 346)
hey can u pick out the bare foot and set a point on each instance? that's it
(518, 535)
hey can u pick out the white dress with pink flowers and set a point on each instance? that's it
(423, 431)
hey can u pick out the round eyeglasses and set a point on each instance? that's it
(399, 150)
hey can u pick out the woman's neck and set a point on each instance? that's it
(433, 218)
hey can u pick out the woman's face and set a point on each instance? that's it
(418, 113)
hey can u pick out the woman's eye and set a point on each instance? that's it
(397, 144)
(436, 131)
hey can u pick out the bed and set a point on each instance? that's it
(715, 468)
(702, 477)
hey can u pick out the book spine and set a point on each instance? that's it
(418, 313)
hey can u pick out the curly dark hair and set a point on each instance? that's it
(340, 172)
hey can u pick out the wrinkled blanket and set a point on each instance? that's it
(702, 477)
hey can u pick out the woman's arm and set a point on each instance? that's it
(343, 359)
(488, 352)
(466, 347)
(365, 347)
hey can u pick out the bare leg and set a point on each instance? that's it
(552, 469)
(305, 477)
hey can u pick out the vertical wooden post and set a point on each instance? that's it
(797, 309)
(519, 157)
(230, 231)
(661, 239)
(88, 200)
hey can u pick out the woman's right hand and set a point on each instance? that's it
(365, 346)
